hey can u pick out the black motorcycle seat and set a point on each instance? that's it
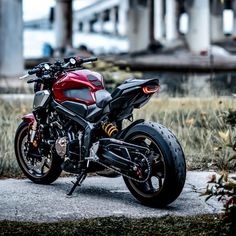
(103, 97)
(131, 83)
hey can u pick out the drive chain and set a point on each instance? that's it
(127, 176)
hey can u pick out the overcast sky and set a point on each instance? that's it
(34, 9)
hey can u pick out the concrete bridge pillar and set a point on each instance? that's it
(234, 23)
(114, 20)
(138, 25)
(198, 37)
(86, 26)
(217, 8)
(171, 20)
(11, 38)
(63, 23)
(122, 17)
(158, 20)
(101, 21)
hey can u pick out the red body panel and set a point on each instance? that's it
(78, 81)
(29, 118)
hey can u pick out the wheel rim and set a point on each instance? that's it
(35, 167)
(155, 183)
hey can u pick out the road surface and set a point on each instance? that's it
(22, 200)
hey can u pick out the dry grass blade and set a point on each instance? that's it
(195, 122)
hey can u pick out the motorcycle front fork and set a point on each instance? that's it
(33, 131)
(81, 177)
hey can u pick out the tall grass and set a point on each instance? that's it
(10, 117)
(195, 122)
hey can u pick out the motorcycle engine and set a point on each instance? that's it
(60, 146)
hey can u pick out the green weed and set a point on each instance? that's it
(195, 122)
(10, 117)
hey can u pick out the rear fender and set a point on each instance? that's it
(122, 134)
(29, 118)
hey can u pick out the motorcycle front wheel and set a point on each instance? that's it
(39, 168)
(168, 167)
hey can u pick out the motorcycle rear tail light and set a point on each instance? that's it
(149, 89)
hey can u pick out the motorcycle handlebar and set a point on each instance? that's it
(90, 59)
(34, 71)
(34, 80)
(79, 61)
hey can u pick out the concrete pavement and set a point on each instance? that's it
(22, 200)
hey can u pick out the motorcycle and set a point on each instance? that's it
(77, 126)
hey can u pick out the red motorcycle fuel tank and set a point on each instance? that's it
(78, 86)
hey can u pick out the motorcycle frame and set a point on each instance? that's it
(117, 97)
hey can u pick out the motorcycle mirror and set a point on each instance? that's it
(24, 76)
(72, 61)
(46, 66)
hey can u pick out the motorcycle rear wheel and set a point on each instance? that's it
(40, 170)
(168, 167)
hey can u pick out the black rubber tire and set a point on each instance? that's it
(173, 162)
(55, 169)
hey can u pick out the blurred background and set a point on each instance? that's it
(189, 44)
(173, 39)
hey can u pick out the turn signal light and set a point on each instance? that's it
(149, 89)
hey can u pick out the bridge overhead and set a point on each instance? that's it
(96, 8)
(147, 21)
(143, 22)
(102, 11)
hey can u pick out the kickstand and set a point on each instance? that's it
(80, 178)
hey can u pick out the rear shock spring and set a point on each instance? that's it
(109, 128)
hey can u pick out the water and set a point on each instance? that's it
(34, 40)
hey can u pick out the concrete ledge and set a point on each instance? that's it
(177, 63)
